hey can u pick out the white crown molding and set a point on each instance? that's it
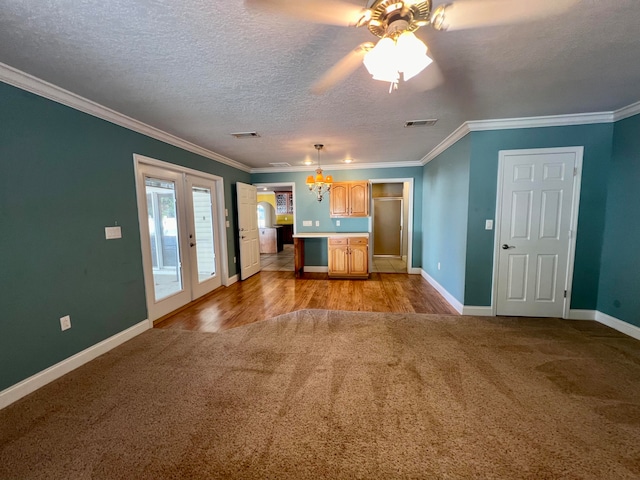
(32, 84)
(544, 121)
(626, 112)
(336, 166)
(457, 134)
(532, 122)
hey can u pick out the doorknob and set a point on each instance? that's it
(507, 247)
(192, 244)
(243, 237)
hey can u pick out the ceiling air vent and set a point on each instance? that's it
(421, 123)
(280, 164)
(245, 134)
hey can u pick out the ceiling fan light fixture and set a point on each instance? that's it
(381, 61)
(406, 54)
(412, 55)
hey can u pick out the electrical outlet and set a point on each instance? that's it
(65, 323)
(337, 223)
(488, 224)
(438, 265)
(317, 223)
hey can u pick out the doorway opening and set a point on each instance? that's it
(276, 224)
(391, 225)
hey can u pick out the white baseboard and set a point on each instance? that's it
(582, 315)
(443, 291)
(40, 379)
(619, 325)
(477, 311)
(316, 269)
(414, 271)
(232, 280)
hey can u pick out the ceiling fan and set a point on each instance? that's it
(399, 53)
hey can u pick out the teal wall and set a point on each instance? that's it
(64, 176)
(308, 208)
(619, 285)
(485, 147)
(444, 225)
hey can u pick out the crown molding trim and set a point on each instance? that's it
(457, 134)
(336, 166)
(626, 112)
(25, 81)
(544, 121)
(532, 122)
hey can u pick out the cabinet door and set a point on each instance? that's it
(338, 200)
(359, 200)
(338, 260)
(359, 260)
(284, 203)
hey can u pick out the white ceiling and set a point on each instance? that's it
(202, 69)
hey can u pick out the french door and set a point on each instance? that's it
(180, 237)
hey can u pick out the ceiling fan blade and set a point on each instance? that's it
(341, 70)
(330, 12)
(463, 14)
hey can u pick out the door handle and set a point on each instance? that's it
(507, 247)
(243, 237)
(192, 244)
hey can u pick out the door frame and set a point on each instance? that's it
(409, 226)
(270, 187)
(578, 151)
(140, 161)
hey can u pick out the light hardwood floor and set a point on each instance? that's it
(268, 294)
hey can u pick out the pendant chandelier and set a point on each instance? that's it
(319, 184)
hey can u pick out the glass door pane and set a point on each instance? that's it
(163, 233)
(204, 233)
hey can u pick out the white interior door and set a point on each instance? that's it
(535, 216)
(248, 230)
(203, 236)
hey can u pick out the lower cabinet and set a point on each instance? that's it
(270, 240)
(348, 257)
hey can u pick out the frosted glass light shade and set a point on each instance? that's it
(389, 58)
(381, 61)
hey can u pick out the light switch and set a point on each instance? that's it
(226, 212)
(111, 233)
(317, 223)
(337, 223)
(488, 224)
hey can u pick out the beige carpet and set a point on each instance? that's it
(319, 394)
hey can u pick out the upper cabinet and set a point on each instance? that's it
(284, 203)
(349, 199)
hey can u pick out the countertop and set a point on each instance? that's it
(330, 234)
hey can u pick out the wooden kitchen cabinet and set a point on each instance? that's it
(270, 240)
(349, 199)
(348, 257)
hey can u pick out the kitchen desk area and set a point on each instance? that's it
(348, 253)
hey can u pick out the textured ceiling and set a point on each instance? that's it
(203, 69)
